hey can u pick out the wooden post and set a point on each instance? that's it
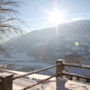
(6, 81)
(71, 77)
(59, 67)
(87, 80)
(60, 82)
(78, 78)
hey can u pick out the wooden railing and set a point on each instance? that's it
(33, 72)
(72, 75)
(60, 73)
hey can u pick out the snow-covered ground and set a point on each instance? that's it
(72, 85)
(19, 84)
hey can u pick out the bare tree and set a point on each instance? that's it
(8, 12)
(8, 16)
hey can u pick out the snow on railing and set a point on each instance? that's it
(60, 72)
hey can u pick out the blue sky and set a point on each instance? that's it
(33, 12)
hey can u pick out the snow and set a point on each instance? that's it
(72, 85)
(32, 79)
(51, 85)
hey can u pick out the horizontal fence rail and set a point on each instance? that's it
(61, 72)
(76, 75)
(76, 65)
(33, 72)
(28, 87)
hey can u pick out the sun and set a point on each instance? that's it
(56, 16)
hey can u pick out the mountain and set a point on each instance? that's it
(53, 43)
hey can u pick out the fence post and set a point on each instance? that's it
(59, 67)
(6, 81)
(60, 82)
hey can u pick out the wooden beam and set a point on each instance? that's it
(76, 65)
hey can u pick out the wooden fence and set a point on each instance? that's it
(6, 80)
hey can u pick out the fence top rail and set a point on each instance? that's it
(33, 72)
(76, 75)
(76, 65)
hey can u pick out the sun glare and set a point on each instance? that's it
(56, 16)
(77, 43)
